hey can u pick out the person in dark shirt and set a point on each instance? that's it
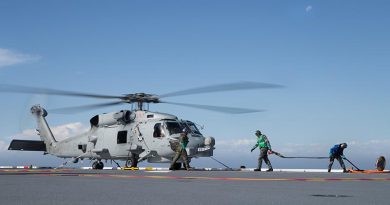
(336, 152)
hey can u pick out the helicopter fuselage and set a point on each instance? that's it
(149, 135)
(135, 135)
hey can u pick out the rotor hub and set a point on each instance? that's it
(141, 98)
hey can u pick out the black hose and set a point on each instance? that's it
(306, 157)
(220, 162)
(357, 168)
(282, 156)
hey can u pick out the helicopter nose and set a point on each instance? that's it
(209, 141)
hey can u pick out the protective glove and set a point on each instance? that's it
(343, 157)
(253, 149)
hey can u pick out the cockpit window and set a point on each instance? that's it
(193, 128)
(174, 128)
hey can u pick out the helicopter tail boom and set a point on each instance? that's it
(44, 130)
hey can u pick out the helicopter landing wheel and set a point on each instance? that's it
(97, 165)
(132, 161)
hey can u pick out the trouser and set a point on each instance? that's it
(184, 158)
(331, 160)
(264, 155)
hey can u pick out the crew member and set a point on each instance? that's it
(265, 148)
(181, 151)
(336, 152)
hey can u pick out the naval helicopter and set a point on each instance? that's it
(131, 135)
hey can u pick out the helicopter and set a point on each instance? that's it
(131, 135)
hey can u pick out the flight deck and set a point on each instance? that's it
(161, 186)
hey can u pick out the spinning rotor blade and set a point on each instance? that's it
(70, 110)
(47, 91)
(222, 88)
(229, 110)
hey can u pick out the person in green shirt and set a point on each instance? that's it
(265, 148)
(181, 151)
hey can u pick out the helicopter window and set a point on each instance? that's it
(174, 127)
(82, 147)
(150, 116)
(158, 132)
(122, 137)
(193, 128)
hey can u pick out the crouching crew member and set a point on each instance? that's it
(336, 152)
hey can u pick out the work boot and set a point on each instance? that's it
(345, 171)
(188, 168)
(328, 170)
(257, 170)
(171, 168)
(270, 170)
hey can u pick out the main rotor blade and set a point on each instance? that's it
(48, 91)
(222, 88)
(82, 108)
(229, 110)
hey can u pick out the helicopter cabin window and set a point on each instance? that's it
(82, 147)
(122, 137)
(174, 128)
(149, 116)
(158, 132)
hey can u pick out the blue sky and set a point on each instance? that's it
(331, 56)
